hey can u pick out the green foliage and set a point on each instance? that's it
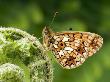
(22, 58)
(11, 73)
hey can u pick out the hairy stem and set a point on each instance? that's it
(23, 58)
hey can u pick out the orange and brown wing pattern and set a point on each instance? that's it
(71, 49)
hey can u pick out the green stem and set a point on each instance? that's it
(25, 52)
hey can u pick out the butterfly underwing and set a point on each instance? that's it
(71, 48)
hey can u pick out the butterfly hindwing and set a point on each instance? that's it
(71, 49)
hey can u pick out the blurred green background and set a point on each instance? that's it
(80, 15)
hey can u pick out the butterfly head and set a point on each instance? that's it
(47, 37)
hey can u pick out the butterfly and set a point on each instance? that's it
(71, 48)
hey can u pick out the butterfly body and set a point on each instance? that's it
(71, 49)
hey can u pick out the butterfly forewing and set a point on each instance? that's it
(71, 49)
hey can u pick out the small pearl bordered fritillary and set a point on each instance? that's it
(71, 48)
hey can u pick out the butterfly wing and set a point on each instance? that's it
(72, 48)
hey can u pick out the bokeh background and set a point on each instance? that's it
(80, 15)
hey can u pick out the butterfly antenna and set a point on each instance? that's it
(53, 18)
